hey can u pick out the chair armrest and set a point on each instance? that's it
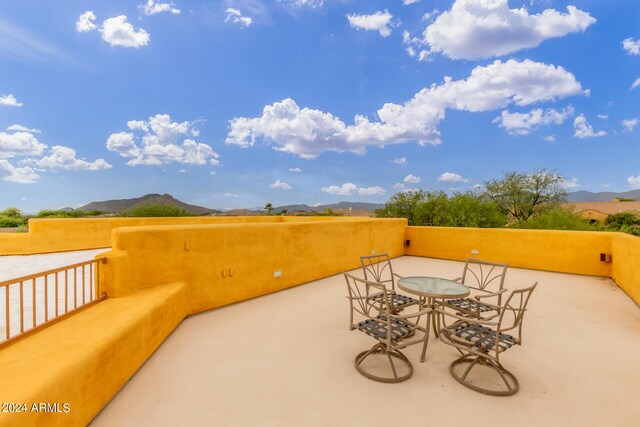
(490, 294)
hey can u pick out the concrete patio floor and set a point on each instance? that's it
(286, 359)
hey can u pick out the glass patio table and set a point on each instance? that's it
(432, 288)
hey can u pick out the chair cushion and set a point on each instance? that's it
(484, 337)
(377, 328)
(469, 305)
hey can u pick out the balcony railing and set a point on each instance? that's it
(30, 302)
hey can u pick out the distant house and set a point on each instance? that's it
(599, 211)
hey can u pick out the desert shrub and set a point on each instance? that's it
(558, 218)
(626, 222)
(155, 210)
(47, 213)
(12, 217)
(8, 222)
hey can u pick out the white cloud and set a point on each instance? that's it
(549, 138)
(584, 130)
(379, 21)
(281, 185)
(345, 189)
(19, 144)
(307, 132)
(118, 32)
(236, 17)
(451, 177)
(10, 101)
(630, 124)
(163, 141)
(476, 29)
(348, 189)
(523, 123)
(400, 160)
(138, 125)
(151, 8)
(571, 183)
(23, 175)
(430, 15)
(371, 191)
(631, 46)
(412, 179)
(85, 22)
(634, 181)
(305, 3)
(20, 128)
(65, 158)
(408, 2)
(399, 186)
(232, 195)
(633, 86)
(603, 116)
(295, 170)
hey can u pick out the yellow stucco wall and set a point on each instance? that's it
(626, 264)
(84, 360)
(222, 264)
(68, 234)
(563, 251)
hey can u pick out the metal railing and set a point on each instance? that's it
(34, 301)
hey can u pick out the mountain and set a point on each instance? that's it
(114, 206)
(605, 196)
(339, 205)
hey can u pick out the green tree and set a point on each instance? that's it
(472, 210)
(403, 205)
(522, 196)
(155, 210)
(269, 208)
(11, 218)
(433, 210)
(12, 213)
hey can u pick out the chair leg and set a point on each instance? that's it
(510, 382)
(381, 348)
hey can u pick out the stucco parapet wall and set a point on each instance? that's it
(48, 235)
(84, 360)
(551, 250)
(227, 263)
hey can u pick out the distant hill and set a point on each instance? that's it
(334, 206)
(115, 206)
(605, 196)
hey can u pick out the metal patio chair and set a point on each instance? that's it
(377, 268)
(375, 318)
(481, 342)
(486, 280)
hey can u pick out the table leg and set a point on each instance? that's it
(426, 339)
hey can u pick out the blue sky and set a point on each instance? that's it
(238, 103)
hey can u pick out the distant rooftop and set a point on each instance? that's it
(609, 208)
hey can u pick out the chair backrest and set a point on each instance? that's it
(361, 302)
(512, 312)
(484, 275)
(377, 268)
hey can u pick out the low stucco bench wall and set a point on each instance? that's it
(84, 360)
